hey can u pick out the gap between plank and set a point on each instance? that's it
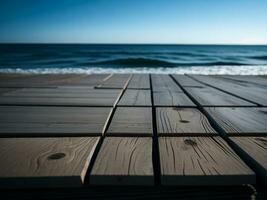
(155, 145)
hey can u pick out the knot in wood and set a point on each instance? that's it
(56, 156)
(184, 121)
(190, 142)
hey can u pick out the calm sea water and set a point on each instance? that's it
(77, 58)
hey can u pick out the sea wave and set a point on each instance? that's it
(264, 57)
(141, 62)
(205, 70)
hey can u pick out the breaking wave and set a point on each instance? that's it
(206, 70)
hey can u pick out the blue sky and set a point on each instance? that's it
(134, 21)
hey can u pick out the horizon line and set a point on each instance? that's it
(84, 43)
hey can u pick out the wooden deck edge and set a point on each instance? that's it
(122, 180)
(208, 180)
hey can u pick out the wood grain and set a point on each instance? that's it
(164, 83)
(45, 162)
(135, 98)
(208, 96)
(240, 121)
(123, 161)
(201, 161)
(170, 98)
(139, 81)
(131, 121)
(21, 120)
(182, 121)
(79, 96)
(255, 149)
(115, 81)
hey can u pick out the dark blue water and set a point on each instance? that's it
(64, 58)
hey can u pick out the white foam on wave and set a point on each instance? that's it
(205, 70)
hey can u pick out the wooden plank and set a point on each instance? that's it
(244, 90)
(164, 83)
(254, 150)
(68, 79)
(240, 121)
(123, 161)
(244, 82)
(45, 162)
(27, 120)
(185, 81)
(201, 161)
(5, 90)
(131, 121)
(91, 80)
(61, 96)
(247, 79)
(62, 92)
(50, 80)
(135, 98)
(182, 121)
(115, 81)
(208, 96)
(139, 81)
(39, 80)
(170, 98)
(56, 101)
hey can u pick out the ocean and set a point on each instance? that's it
(89, 58)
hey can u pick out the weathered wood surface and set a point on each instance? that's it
(182, 121)
(240, 121)
(164, 83)
(115, 81)
(45, 162)
(201, 161)
(208, 96)
(241, 89)
(36, 120)
(255, 149)
(81, 96)
(133, 97)
(185, 81)
(170, 98)
(131, 121)
(124, 161)
(139, 81)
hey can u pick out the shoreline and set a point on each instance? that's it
(202, 70)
